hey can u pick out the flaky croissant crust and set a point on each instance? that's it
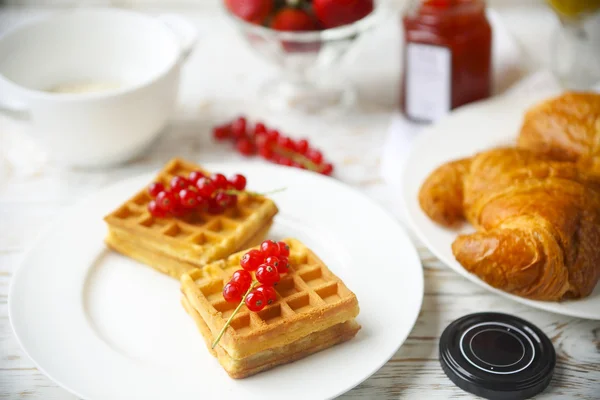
(537, 221)
(565, 128)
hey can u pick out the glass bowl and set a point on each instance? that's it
(309, 79)
(575, 52)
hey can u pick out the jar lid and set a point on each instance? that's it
(497, 356)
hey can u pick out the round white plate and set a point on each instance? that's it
(469, 130)
(106, 327)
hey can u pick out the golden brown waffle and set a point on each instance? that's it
(161, 262)
(192, 240)
(271, 358)
(310, 299)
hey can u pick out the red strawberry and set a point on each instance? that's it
(293, 19)
(332, 13)
(255, 11)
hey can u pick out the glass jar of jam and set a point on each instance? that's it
(447, 57)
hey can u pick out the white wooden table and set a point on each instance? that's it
(216, 85)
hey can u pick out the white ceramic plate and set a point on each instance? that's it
(463, 133)
(104, 326)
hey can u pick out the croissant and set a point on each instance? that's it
(537, 221)
(565, 128)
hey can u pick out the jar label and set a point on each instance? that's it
(428, 80)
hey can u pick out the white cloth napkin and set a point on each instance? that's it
(507, 80)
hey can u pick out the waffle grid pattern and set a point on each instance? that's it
(308, 288)
(196, 231)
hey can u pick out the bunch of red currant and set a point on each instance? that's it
(272, 146)
(212, 194)
(267, 263)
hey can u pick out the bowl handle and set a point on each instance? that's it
(185, 32)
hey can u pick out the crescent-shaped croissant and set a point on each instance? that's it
(565, 128)
(537, 221)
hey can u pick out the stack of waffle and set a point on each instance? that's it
(178, 245)
(314, 311)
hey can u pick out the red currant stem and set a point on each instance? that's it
(220, 335)
(306, 162)
(299, 159)
(233, 191)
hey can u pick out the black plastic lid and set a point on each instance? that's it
(497, 356)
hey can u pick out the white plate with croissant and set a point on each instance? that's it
(507, 193)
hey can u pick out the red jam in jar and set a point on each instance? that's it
(447, 57)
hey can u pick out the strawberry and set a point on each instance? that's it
(255, 11)
(332, 13)
(293, 19)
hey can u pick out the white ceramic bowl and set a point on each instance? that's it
(97, 85)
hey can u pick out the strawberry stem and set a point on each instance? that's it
(220, 335)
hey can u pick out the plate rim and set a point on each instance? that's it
(425, 137)
(45, 232)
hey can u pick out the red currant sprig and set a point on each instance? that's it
(267, 267)
(212, 194)
(272, 146)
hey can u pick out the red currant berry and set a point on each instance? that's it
(284, 249)
(245, 147)
(285, 161)
(251, 260)
(284, 265)
(286, 143)
(214, 208)
(265, 152)
(238, 127)
(195, 176)
(263, 141)
(242, 278)
(202, 202)
(155, 188)
(221, 132)
(155, 210)
(273, 135)
(206, 187)
(188, 198)
(269, 292)
(267, 274)
(272, 260)
(179, 182)
(219, 180)
(226, 200)
(302, 146)
(269, 248)
(259, 128)
(166, 201)
(296, 164)
(255, 301)
(232, 293)
(238, 182)
(327, 169)
(315, 156)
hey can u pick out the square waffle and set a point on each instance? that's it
(176, 245)
(310, 301)
(271, 358)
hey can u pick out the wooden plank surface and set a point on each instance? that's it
(29, 202)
